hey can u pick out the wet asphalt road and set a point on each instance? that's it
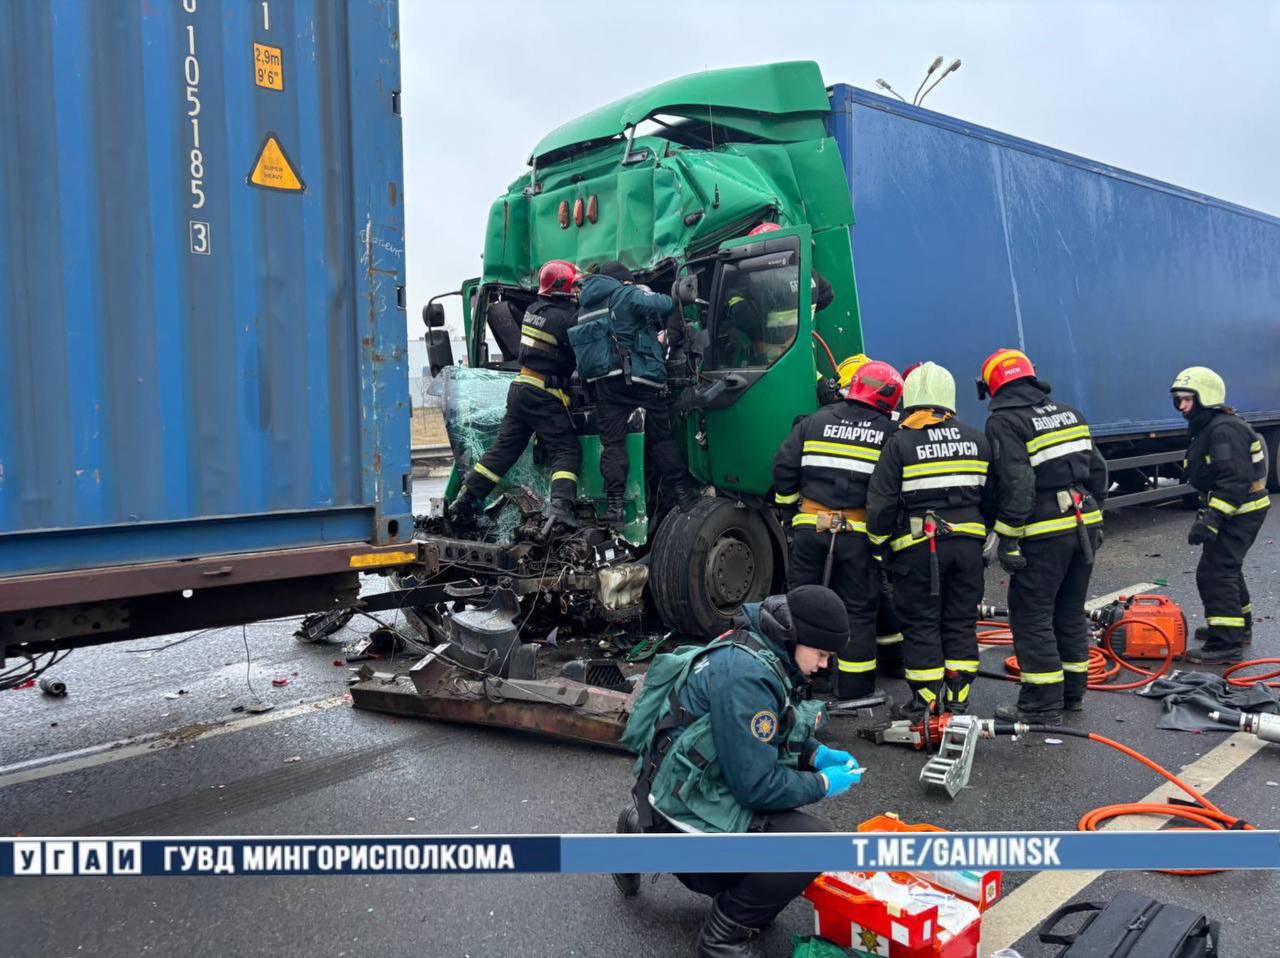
(328, 769)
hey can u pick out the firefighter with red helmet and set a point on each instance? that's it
(888, 627)
(1047, 484)
(537, 403)
(822, 470)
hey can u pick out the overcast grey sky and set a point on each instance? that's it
(1185, 92)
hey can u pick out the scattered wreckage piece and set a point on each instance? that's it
(445, 686)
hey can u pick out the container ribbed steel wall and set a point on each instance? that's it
(192, 362)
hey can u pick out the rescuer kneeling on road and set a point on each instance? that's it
(1227, 464)
(725, 739)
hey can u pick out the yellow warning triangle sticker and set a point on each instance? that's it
(273, 171)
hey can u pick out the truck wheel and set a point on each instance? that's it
(1271, 439)
(707, 562)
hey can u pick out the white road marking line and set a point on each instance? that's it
(32, 770)
(1032, 901)
(1110, 597)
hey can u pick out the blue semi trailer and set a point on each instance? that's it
(966, 240)
(204, 409)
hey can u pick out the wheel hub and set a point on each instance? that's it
(731, 568)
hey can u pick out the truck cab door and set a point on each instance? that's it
(759, 323)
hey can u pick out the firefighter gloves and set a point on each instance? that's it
(1204, 528)
(1009, 552)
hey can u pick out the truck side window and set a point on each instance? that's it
(757, 314)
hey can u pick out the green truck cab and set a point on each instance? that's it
(670, 181)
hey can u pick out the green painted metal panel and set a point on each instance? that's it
(775, 88)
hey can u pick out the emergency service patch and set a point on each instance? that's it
(764, 725)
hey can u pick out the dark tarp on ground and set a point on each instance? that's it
(1189, 697)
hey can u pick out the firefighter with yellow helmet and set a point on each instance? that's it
(924, 514)
(1227, 463)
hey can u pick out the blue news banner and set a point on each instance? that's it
(490, 854)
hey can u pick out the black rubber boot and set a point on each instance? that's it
(1213, 653)
(957, 691)
(628, 824)
(1011, 713)
(914, 710)
(723, 938)
(924, 700)
(615, 514)
(1203, 634)
(1073, 705)
(688, 493)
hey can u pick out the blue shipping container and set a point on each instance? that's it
(967, 240)
(202, 327)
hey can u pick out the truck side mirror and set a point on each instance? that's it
(439, 350)
(433, 315)
(685, 291)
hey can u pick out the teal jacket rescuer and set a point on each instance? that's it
(725, 738)
(617, 332)
(727, 728)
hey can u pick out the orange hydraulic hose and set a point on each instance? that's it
(1248, 680)
(1104, 662)
(835, 367)
(1204, 815)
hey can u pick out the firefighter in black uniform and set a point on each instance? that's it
(1048, 486)
(537, 404)
(924, 510)
(888, 630)
(822, 469)
(1226, 462)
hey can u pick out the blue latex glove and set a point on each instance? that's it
(826, 757)
(840, 778)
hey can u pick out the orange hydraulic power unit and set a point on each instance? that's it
(1137, 639)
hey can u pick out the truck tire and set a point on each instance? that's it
(1271, 439)
(707, 562)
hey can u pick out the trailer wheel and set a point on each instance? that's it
(1271, 439)
(707, 562)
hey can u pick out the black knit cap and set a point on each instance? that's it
(617, 271)
(818, 617)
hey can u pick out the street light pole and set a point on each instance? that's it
(955, 65)
(928, 73)
(884, 85)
